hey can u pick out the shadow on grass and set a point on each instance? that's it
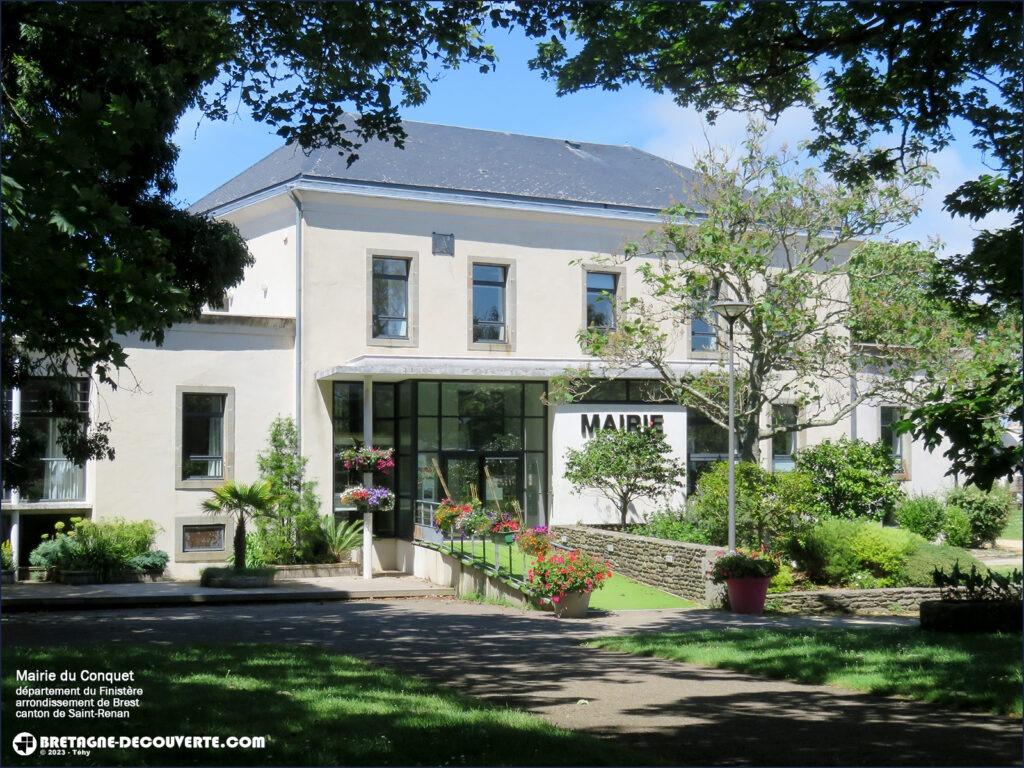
(314, 707)
(970, 671)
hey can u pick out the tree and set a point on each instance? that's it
(241, 502)
(291, 531)
(95, 246)
(830, 299)
(624, 466)
(852, 478)
(884, 81)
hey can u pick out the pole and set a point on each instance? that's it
(732, 449)
(368, 478)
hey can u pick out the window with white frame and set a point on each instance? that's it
(703, 326)
(601, 295)
(784, 444)
(489, 303)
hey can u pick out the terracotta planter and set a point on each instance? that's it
(747, 595)
(573, 606)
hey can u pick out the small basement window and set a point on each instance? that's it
(202, 538)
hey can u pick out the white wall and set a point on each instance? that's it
(567, 433)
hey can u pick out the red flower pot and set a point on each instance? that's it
(747, 595)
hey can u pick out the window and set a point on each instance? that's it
(703, 328)
(390, 298)
(54, 477)
(202, 538)
(202, 436)
(601, 289)
(706, 444)
(489, 304)
(784, 445)
(889, 416)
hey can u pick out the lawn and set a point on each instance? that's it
(968, 671)
(1015, 525)
(619, 593)
(315, 707)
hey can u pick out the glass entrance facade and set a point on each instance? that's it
(486, 439)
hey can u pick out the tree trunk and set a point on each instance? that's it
(624, 508)
(240, 544)
(747, 443)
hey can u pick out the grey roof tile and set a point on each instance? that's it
(454, 159)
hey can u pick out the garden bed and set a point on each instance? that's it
(82, 577)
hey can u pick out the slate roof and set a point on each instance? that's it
(505, 165)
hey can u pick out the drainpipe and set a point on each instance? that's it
(298, 315)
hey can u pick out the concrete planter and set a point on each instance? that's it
(971, 616)
(573, 606)
(76, 578)
(7, 577)
(82, 577)
(239, 580)
(315, 570)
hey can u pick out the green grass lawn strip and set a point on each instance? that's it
(316, 707)
(980, 672)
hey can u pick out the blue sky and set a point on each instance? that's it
(516, 100)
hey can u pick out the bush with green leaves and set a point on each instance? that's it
(988, 511)
(923, 515)
(671, 524)
(852, 478)
(290, 532)
(342, 536)
(956, 527)
(107, 546)
(6, 555)
(770, 508)
(865, 554)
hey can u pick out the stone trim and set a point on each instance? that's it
(228, 438)
(209, 556)
(412, 299)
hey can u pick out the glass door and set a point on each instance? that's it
(502, 480)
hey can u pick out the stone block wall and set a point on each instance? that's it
(674, 566)
(866, 601)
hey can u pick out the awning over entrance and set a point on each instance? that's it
(403, 366)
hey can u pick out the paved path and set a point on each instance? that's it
(681, 713)
(33, 596)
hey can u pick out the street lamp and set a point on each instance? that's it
(731, 311)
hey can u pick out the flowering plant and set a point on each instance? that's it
(368, 459)
(449, 514)
(576, 571)
(744, 564)
(478, 521)
(534, 541)
(373, 498)
(505, 524)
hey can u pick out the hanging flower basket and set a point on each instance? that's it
(368, 459)
(504, 530)
(372, 499)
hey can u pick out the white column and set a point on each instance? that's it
(367, 478)
(15, 494)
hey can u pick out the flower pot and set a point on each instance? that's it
(503, 538)
(747, 595)
(573, 606)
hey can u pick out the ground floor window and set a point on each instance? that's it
(706, 443)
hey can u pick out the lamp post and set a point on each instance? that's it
(731, 311)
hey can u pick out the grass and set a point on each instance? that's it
(1015, 525)
(967, 671)
(315, 708)
(619, 593)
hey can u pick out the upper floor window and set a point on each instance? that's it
(390, 298)
(489, 310)
(202, 436)
(894, 442)
(601, 293)
(703, 326)
(783, 445)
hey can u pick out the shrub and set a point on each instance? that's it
(926, 558)
(155, 560)
(106, 546)
(883, 552)
(956, 527)
(979, 585)
(770, 508)
(924, 515)
(673, 525)
(988, 511)
(341, 537)
(783, 581)
(60, 551)
(6, 555)
(826, 554)
(852, 478)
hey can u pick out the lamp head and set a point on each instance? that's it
(731, 311)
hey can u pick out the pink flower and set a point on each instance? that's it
(556, 599)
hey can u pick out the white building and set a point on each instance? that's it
(421, 299)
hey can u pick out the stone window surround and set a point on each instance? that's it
(509, 345)
(413, 286)
(181, 390)
(209, 556)
(620, 286)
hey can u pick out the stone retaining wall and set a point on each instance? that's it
(898, 600)
(674, 566)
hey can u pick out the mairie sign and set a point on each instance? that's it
(591, 423)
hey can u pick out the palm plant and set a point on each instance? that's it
(241, 502)
(341, 536)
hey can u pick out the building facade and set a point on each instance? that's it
(421, 299)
